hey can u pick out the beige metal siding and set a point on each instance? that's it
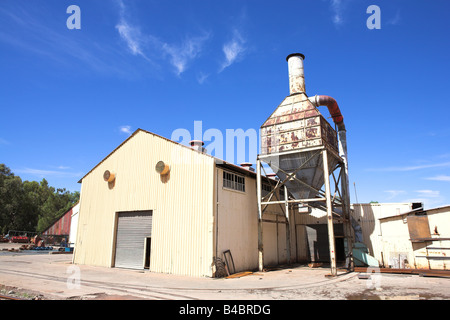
(182, 205)
(394, 244)
(438, 220)
(431, 254)
(367, 215)
(237, 227)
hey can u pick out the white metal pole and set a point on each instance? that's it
(288, 226)
(326, 176)
(260, 222)
(346, 196)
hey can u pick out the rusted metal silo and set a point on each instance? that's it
(303, 149)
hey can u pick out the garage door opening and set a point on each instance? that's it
(133, 234)
(148, 246)
(318, 244)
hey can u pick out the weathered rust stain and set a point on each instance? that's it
(311, 133)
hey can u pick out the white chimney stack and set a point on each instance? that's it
(296, 73)
(247, 165)
(197, 145)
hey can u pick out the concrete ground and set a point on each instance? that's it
(54, 277)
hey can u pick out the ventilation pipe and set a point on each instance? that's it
(296, 73)
(271, 175)
(338, 119)
(198, 145)
(247, 165)
(332, 106)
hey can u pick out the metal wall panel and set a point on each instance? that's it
(237, 227)
(294, 125)
(367, 215)
(74, 224)
(182, 205)
(61, 226)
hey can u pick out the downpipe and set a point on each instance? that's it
(338, 119)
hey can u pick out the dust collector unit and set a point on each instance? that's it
(296, 127)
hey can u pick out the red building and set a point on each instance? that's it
(61, 227)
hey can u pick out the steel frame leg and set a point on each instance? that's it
(329, 214)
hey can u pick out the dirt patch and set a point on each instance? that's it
(22, 294)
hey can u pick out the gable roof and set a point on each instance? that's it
(219, 162)
(128, 139)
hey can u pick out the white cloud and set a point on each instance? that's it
(428, 193)
(126, 129)
(179, 55)
(412, 168)
(233, 50)
(336, 7)
(394, 193)
(131, 36)
(201, 77)
(439, 178)
(394, 20)
(182, 55)
(3, 141)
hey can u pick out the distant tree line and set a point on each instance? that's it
(30, 205)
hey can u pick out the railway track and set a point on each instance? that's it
(4, 297)
(165, 293)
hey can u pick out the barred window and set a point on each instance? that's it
(233, 181)
(266, 189)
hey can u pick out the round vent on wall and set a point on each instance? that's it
(108, 176)
(162, 168)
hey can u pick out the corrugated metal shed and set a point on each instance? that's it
(417, 239)
(181, 202)
(368, 214)
(195, 218)
(60, 227)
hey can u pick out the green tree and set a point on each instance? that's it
(30, 205)
(11, 195)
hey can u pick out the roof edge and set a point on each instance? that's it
(130, 137)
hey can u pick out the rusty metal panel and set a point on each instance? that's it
(418, 227)
(61, 226)
(296, 124)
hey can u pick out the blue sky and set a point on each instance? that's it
(69, 97)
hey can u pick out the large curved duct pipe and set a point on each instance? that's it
(338, 119)
(333, 108)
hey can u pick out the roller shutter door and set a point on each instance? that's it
(132, 230)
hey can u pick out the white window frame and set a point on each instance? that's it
(233, 181)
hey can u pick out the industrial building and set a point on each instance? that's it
(155, 204)
(179, 219)
(406, 236)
